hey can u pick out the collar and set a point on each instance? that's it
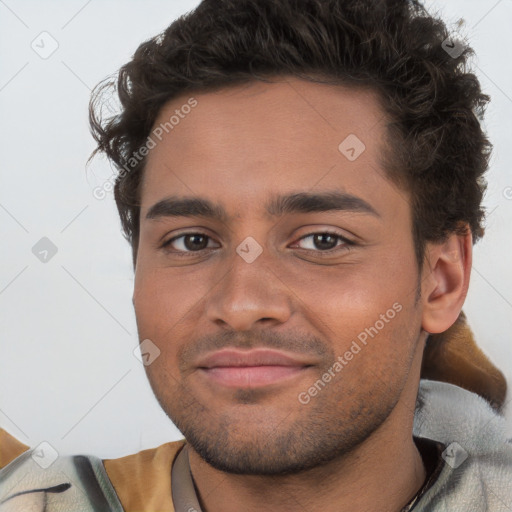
(431, 452)
(183, 491)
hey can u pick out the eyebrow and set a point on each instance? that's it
(301, 202)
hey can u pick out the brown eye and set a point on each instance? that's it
(188, 242)
(195, 242)
(324, 241)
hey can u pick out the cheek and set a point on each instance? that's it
(369, 303)
(356, 291)
(161, 312)
(168, 299)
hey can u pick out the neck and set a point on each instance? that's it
(382, 474)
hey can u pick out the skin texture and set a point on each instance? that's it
(261, 448)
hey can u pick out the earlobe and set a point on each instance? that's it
(445, 284)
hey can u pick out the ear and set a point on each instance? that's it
(445, 281)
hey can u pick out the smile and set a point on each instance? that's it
(251, 376)
(254, 368)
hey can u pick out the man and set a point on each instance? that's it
(301, 183)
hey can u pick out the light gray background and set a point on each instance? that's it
(67, 328)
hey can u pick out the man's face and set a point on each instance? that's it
(310, 295)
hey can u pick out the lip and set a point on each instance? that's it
(251, 369)
(255, 357)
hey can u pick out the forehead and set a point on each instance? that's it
(243, 142)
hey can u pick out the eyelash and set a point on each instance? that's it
(345, 246)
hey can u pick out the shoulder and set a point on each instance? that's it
(445, 412)
(10, 448)
(33, 480)
(477, 472)
(143, 480)
(40, 480)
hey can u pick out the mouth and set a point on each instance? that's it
(251, 369)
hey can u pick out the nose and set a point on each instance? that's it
(250, 295)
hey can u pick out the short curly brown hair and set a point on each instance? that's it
(437, 150)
